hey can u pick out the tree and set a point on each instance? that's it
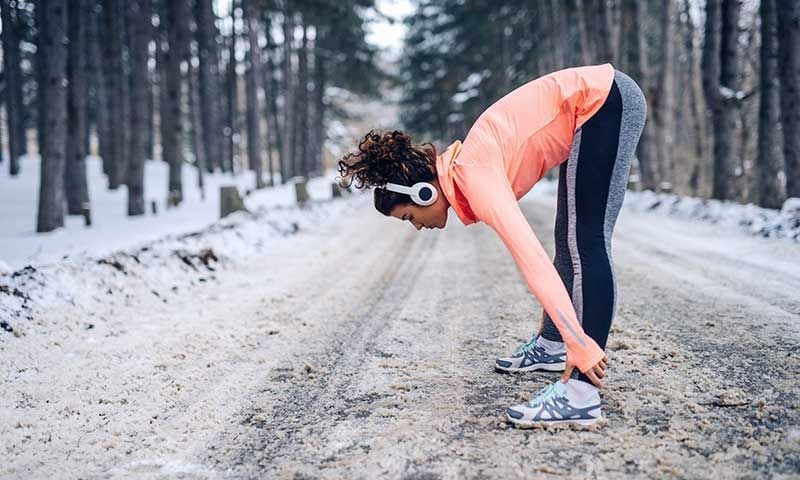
(720, 84)
(289, 144)
(769, 191)
(96, 77)
(789, 66)
(140, 24)
(17, 145)
(301, 103)
(114, 77)
(208, 83)
(77, 192)
(176, 29)
(197, 129)
(640, 71)
(54, 55)
(318, 119)
(270, 86)
(665, 113)
(252, 77)
(231, 90)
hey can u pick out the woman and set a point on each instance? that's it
(587, 120)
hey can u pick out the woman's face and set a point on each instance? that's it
(432, 216)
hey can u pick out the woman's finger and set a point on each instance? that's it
(567, 373)
(598, 383)
(599, 372)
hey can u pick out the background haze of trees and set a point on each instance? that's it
(721, 77)
(165, 79)
(227, 85)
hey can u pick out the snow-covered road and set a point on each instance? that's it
(364, 349)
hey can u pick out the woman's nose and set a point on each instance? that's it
(418, 226)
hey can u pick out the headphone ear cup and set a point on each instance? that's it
(425, 194)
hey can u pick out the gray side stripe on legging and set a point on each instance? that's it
(572, 237)
(634, 112)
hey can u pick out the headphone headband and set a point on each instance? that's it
(421, 193)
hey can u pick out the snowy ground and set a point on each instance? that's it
(111, 228)
(357, 347)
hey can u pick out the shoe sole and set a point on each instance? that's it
(548, 367)
(582, 424)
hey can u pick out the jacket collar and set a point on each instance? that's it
(445, 166)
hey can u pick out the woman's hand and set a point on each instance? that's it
(595, 374)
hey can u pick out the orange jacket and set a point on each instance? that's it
(508, 149)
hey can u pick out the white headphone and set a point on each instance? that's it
(422, 193)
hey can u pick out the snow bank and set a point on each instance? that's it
(111, 228)
(165, 265)
(755, 220)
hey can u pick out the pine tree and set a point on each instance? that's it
(53, 40)
(12, 75)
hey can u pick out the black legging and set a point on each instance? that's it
(591, 188)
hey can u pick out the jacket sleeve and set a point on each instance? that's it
(492, 199)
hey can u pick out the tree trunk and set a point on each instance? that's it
(586, 48)
(720, 75)
(54, 54)
(177, 36)
(139, 21)
(711, 84)
(640, 71)
(208, 84)
(112, 63)
(15, 116)
(789, 66)
(251, 91)
(41, 74)
(665, 113)
(96, 76)
(125, 88)
(271, 138)
(604, 32)
(320, 82)
(272, 102)
(288, 93)
(231, 81)
(152, 79)
(769, 189)
(301, 136)
(198, 131)
(76, 189)
(165, 123)
(560, 32)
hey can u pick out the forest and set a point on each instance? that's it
(224, 86)
(721, 78)
(227, 85)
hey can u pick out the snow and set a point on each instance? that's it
(111, 228)
(152, 363)
(728, 93)
(178, 247)
(755, 220)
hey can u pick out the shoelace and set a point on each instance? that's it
(528, 345)
(544, 394)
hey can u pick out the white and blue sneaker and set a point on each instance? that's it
(564, 404)
(536, 354)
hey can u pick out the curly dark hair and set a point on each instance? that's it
(388, 156)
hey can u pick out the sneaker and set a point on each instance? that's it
(559, 403)
(532, 356)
